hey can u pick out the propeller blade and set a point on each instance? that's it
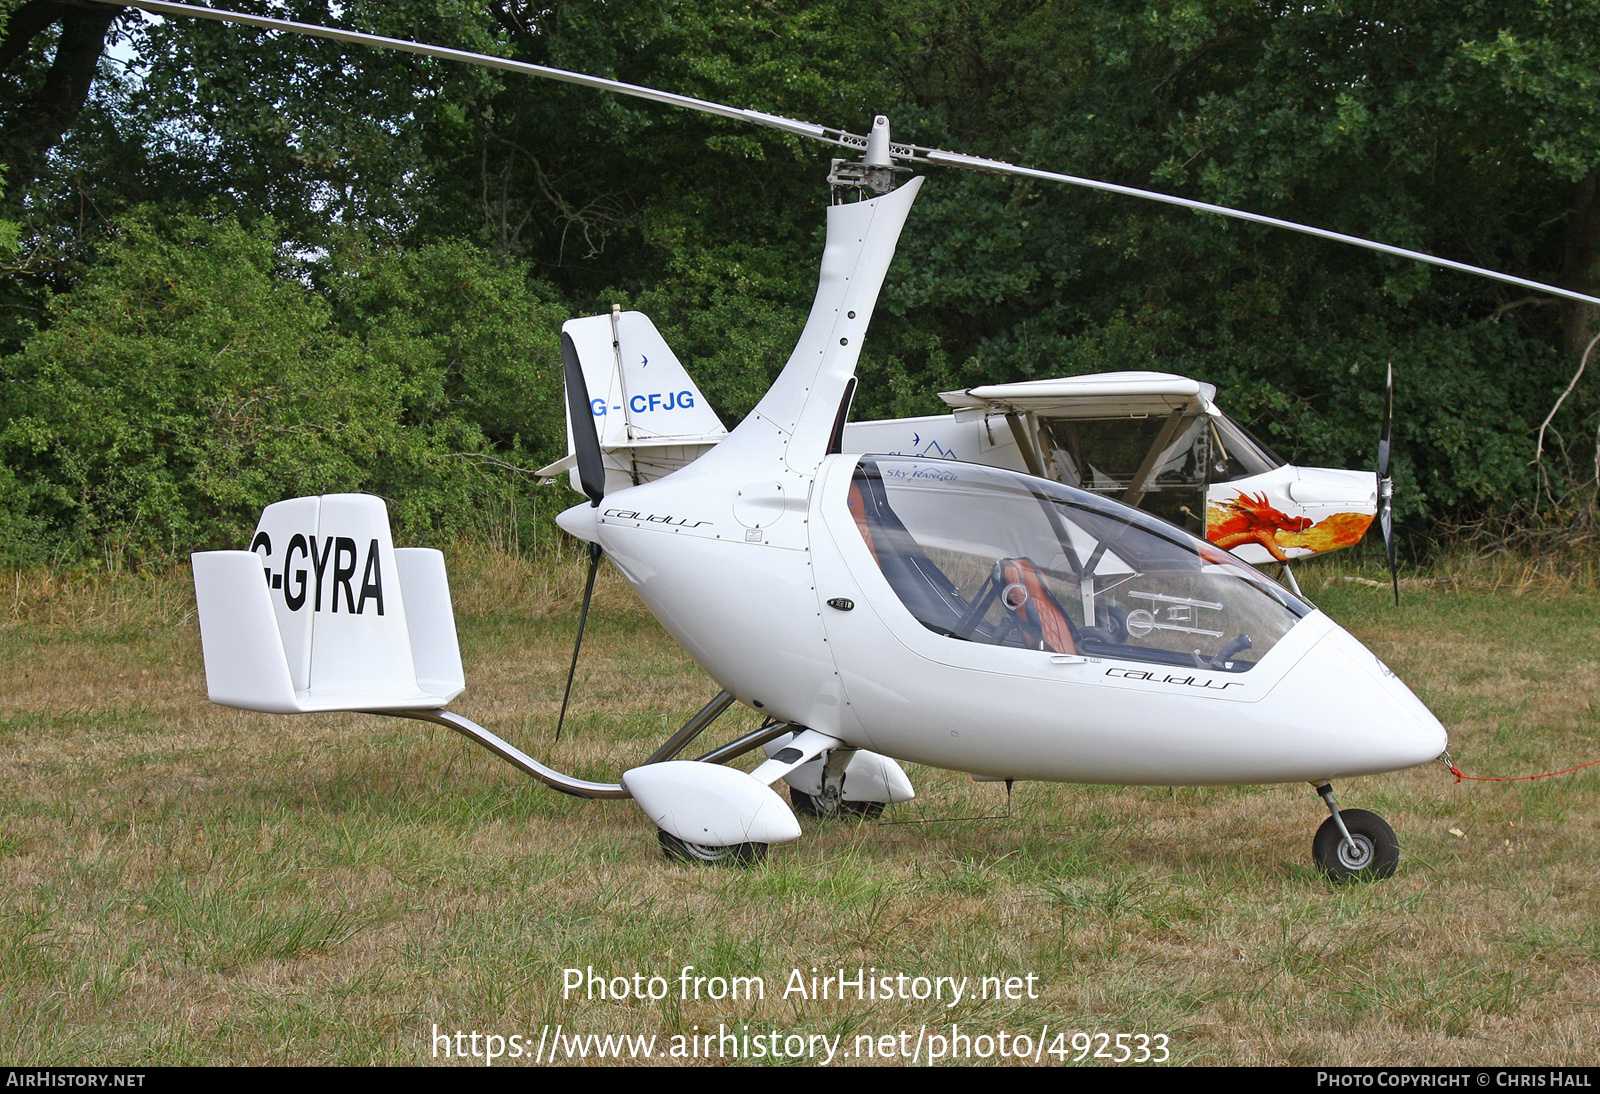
(585, 437)
(1388, 416)
(583, 620)
(1386, 522)
(827, 134)
(1386, 484)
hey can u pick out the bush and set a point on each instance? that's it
(187, 382)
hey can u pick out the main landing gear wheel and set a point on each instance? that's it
(1374, 856)
(831, 805)
(738, 854)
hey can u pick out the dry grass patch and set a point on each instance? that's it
(188, 884)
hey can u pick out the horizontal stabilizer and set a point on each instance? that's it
(324, 614)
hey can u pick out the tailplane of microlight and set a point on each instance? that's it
(651, 418)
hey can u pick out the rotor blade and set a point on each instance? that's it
(585, 437)
(996, 167)
(583, 620)
(827, 134)
(443, 53)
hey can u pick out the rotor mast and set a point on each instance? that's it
(875, 170)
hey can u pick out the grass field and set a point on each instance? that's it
(186, 884)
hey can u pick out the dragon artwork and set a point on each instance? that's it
(1251, 518)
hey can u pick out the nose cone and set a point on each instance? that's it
(581, 522)
(1352, 714)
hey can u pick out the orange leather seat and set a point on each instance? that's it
(1038, 613)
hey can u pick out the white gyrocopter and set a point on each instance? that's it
(873, 608)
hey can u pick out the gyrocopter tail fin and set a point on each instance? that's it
(323, 613)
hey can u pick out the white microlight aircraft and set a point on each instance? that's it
(951, 614)
(1151, 440)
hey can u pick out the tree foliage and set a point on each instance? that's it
(186, 383)
(1404, 124)
(416, 231)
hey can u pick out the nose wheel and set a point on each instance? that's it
(1354, 844)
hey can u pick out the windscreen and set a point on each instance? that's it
(980, 554)
(1236, 454)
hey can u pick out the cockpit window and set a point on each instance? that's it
(1236, 454)
(1162, 464)
(984, 555)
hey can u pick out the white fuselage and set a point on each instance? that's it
(740, 553)
(750, 604)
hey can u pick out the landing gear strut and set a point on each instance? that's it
(828, 799)
(1353, 844)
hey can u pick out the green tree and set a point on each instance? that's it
(188, 382)
(1461, 128)
(1404, 124)
(44, 99)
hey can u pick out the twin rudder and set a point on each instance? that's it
(289, 626)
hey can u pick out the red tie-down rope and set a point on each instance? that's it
(1457, 772)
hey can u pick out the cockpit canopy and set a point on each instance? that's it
(981, 554)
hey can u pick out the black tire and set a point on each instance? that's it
(1376, 855)
(738, 854)
(809, 806)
